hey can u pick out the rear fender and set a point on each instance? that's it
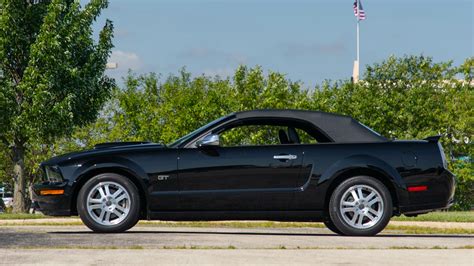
(370, 163)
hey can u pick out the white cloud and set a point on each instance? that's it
(126, 60)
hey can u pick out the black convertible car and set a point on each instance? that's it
(283, 165)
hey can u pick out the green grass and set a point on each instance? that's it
(459, 216)
(422, 230)
(234, 224)
(16, 216)
(456, 216)
(391, 229)
(406, 229)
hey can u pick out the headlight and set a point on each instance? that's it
(53, 174)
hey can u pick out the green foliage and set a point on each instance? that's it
(52, 75)
(464, 172)
(162, 111)
(53, 70)
(5, 168)
(405, 98)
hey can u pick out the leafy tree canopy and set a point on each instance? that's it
(52, 74)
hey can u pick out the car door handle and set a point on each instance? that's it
(285, 157)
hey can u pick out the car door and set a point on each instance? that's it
(239, 178)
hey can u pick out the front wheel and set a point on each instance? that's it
(109, 203)
(360, 206)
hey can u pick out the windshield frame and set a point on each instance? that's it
(196, 133)
(371, 130)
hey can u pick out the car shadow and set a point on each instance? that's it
(259, 234)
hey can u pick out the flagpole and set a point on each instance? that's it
(355, 69)
(358, 38)
(358, 44)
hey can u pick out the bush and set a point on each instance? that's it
(464, 197)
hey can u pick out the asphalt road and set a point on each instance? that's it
(167, 245)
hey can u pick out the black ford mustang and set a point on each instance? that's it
(283, 165)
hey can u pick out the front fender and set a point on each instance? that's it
(99, 165)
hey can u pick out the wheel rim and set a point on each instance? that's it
(108, 203)
(361, 206)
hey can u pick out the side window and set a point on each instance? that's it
(254, 135)
(250, 135)
(305, 138)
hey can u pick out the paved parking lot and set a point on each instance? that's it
(169, 245)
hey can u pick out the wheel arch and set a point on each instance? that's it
(116, 169)
(364, 165)
(362, 172)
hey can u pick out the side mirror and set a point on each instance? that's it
(208, 141)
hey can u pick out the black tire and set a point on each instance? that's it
(343, 226)
(131, 218)
(332, 227)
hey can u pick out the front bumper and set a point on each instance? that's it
(54, 205)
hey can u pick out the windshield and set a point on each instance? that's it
(196, 132)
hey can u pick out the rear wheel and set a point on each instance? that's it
(109, 203)
(360, 206)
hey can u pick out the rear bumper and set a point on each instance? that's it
(54, 205)
(420, 209)
(440, 195)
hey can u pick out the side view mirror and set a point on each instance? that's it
(208, 141)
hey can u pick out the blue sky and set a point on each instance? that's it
(309, 41)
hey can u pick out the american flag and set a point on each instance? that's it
(361, 14)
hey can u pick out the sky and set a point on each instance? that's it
(308, 41)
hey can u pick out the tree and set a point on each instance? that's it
(410, 97)
(148, 108)
(52, 75)
(413, 97)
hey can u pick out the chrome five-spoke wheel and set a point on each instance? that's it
(108, 203)
(361, 206)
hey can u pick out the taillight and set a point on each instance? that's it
(417, 188)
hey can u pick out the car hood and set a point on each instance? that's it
(103, 148)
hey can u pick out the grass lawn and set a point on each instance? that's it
(461, 216)
(12, 216)
(464, 216)
(407, 229)
(391, 229)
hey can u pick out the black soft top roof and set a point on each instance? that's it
(340, 128)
